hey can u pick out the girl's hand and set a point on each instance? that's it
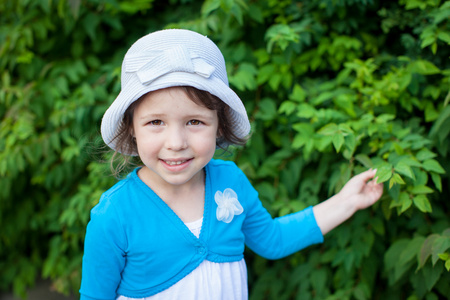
(358, 193)
(363, 192)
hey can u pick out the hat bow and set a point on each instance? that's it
(150, 65)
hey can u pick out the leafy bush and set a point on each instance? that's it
(332, 88)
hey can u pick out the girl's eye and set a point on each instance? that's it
(156, 122)
(194, 122)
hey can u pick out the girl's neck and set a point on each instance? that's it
(161, 187)
(186, 200)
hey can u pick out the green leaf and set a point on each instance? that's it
(275, 80)
(384, 118)
(431, 276)
(338, 141)
(324, 96)
(444, 36)
(432, 165)
(281, 35)
(322, 142)
(238, 11)
(411, 250)
(362, 291)
(391, 259)
(304, 128)
(210, 6)
(267, 110)
(437, 181)
(431, 113)
(384, 173)
(411, 161)
(306, 111)
(364, 160)
(422, 203)
(256, 12)
(299, 141)
(265, 73)
(90, 23)
(413, 4)
(298, 94)
(319, 279)
(404, 169)
(398, 179)
(350, 145)
(425, 154)
(345, 129)
(421, 189)
(397, 201)
(406, 203)
(245, 77)
(444, 256)
(424, 67)
(287, 107)
(426, 250)
(427, 41)
(441, 127)
(440, 245)
(329, 129)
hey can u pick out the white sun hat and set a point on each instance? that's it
(168, 58)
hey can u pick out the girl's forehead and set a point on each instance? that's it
(173, 96)
(171, 101)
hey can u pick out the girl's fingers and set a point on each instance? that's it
(365, 176)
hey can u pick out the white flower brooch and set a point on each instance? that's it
(227, 205)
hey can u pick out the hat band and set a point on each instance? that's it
(150, 65)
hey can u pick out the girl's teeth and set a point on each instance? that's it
(173, 163)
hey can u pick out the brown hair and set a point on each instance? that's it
(126, 143)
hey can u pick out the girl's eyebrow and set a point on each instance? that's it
(200, 116)
(152, 116)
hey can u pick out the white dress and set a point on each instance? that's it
(210, 280)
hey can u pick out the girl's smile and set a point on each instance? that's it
(175, 138)
(174, 163)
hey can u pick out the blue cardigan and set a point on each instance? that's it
(136, 246)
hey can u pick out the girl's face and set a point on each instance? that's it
(175, 138)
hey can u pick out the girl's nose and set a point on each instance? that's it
(176, 139)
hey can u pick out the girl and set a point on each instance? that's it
(176, 227)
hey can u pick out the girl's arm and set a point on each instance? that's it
(358, 193)
(104, 257)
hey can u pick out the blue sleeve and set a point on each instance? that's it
(279, 237)
(104, 254)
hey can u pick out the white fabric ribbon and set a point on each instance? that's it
(150, 65)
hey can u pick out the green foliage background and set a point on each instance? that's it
(332, 87)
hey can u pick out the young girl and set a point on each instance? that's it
(176, 227)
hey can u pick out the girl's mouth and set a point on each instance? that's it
(175, 163)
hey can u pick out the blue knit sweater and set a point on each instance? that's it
(136, 246)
